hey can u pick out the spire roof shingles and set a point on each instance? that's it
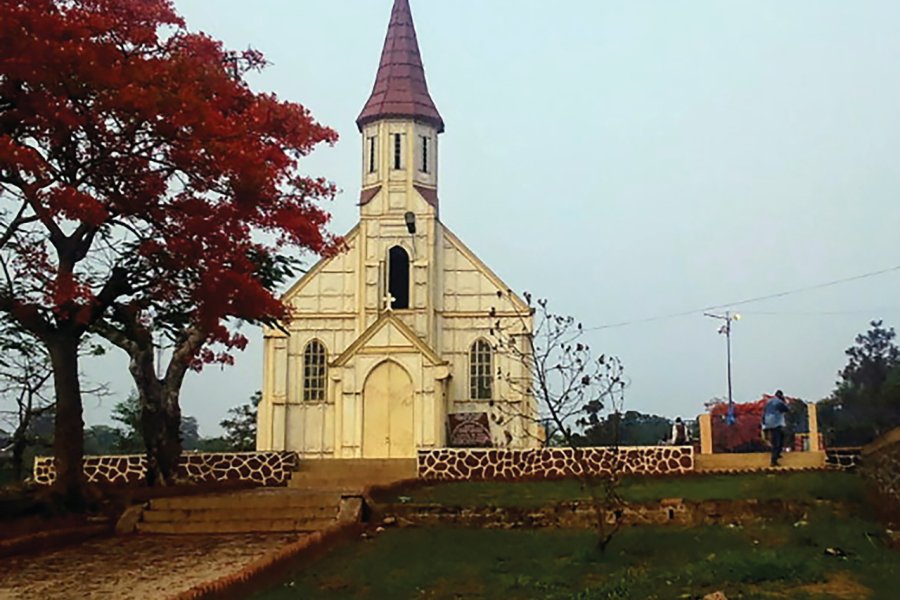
(400, 89)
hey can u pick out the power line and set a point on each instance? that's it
(823, 313)
(746, 301)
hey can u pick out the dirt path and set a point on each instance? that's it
(136, 567)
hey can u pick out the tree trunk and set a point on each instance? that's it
(160, 415)
(161, 429)
(159, 397)
(20, 444)
(171, 444)
(170, 450)
(18, 457)
(153, 423)
(68, 441)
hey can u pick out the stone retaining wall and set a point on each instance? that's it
(263, 468)
(582, 514)
(550, 463)
(880, 462)
(842, 459)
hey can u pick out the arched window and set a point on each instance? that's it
(314, 372)
(398, 277)
(481, 371)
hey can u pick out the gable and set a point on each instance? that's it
(330, 285)
(388, 335)
(470, 285)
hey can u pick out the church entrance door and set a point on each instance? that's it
(388, 413)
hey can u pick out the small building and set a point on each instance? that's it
(393, 335)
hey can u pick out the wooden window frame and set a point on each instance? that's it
(315, 372)
(481, 370)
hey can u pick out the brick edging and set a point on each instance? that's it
(268, 563)
(52, 540)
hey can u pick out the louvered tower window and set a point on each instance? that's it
(398, 151)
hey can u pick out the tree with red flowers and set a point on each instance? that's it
(138, 170)
(144, 323)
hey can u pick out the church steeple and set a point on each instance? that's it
(400, 90)
(400, 126)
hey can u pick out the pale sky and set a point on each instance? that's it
(627, 160)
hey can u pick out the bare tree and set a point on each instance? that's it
(27, 399)
(570, 388)
(25, 373)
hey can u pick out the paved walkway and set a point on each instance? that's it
(144, 567)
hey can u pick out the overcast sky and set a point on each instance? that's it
(627, 160)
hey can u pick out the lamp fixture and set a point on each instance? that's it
(410, 218)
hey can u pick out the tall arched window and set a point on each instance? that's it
(398, 277)
(481, 371)
(315, 370)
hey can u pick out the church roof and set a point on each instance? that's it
(400, 89)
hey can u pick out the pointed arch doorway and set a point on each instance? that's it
(388, 413)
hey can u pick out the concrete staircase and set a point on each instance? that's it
(259, 510)
(351, 475)
(790, 461)
(319, 494)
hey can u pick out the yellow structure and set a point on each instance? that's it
(393, 334)
(707, 460)
(706, 441)
(706, 445)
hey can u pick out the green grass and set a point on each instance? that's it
(834, 486)
(770, 561)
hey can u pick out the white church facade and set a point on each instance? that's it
(393, 335)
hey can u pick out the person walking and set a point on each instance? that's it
(773, 424)
(680, 433)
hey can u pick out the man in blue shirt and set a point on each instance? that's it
(773, 424)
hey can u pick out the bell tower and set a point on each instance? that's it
(399, 127)
(400, 123)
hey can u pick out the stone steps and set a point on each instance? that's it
(246, 526)
(263, 498)
(240, 514)
(259, 510)
(351, 475)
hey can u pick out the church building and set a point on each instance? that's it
(394, 339)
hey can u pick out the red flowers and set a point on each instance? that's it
(127, 141)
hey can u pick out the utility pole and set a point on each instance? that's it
(726, 330)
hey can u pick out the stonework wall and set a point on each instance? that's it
(842, 459)
(263, 468)
(880, 462)
(549, 463)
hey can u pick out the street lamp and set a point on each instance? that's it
(726, 329)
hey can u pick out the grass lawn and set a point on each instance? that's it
(528, 494)
(772, 561)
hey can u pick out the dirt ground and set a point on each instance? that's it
(136, 567)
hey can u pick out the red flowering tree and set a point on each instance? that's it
(138, 170)
(745, 433)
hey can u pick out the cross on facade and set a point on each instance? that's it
(388, 302)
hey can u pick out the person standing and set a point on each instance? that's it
(773, 424)
(680, 433)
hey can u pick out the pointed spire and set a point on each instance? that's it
(400, 89)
